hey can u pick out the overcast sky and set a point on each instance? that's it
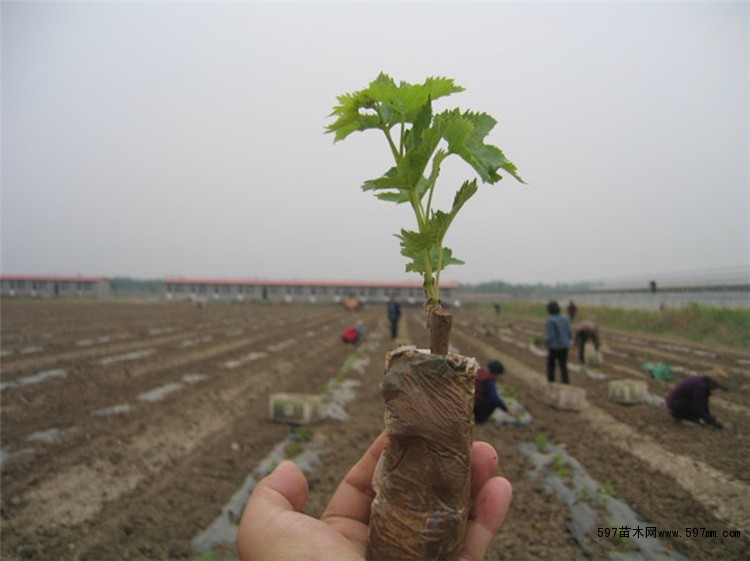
(157, 139)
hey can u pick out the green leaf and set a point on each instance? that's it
(416, 265)
(354, 113)
(415, 242)
(415, 136)
(448, 259)
(384, 104)
(465, 134)
(427, 244)
(437, 225)
(397, 197)
(406, 100)
(465, 192)
(421, 145)
(390, 187)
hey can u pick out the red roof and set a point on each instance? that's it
(50, 278)
(340, 284)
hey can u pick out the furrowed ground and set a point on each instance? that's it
(126, 427)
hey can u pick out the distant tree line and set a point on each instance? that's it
(126, 286)
(525, 290)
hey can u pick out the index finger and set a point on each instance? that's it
(354, 494)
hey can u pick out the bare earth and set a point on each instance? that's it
(126, 427)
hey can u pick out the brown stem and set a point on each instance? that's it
(439, 323)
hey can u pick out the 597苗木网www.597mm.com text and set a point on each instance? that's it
(627, 532)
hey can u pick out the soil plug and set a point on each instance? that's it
(423, 479)
(423, 476)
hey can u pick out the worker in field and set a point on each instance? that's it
(352, 304)
(557, 339)
(394, 315)
(486, 396)
(688, 401)
(586, 331)
(572, 310)
(354, 334)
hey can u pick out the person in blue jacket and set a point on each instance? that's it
(557, 339)
(486, 396)
(394, 314)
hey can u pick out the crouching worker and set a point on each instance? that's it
(688, 401)
(584, 332)
(486, 396)
(353, 334)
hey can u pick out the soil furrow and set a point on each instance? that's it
(722, 495)
(142, 483)
(140, 459)
(123, 383)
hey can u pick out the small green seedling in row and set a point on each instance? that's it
(560, 466)
(558, 461)
(301, 434)
(293, 448)
(622, 540)
(542, 444)
(563, 473)
(604, 492)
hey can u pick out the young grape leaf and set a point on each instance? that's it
(420, 140)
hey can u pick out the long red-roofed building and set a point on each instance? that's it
(297, 290)
(54, 286)
(225, 290)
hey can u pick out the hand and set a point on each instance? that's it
(273, 527)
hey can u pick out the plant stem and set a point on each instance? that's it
(394, 150)
(432, 180)
(439, 323)
(402, 137)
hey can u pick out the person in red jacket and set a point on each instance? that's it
(354, 333)
(688, 400)
(486, 396)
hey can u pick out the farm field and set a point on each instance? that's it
(127, 428)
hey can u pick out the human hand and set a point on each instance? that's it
(273, 527)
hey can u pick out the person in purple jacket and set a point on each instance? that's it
(688, 401)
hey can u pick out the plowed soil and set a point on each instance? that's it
(126, 427)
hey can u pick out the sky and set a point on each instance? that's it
(186, 139)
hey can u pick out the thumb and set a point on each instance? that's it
(285, 488)
(280, 493)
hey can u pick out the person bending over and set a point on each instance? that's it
(688, 401)
(486, 396)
